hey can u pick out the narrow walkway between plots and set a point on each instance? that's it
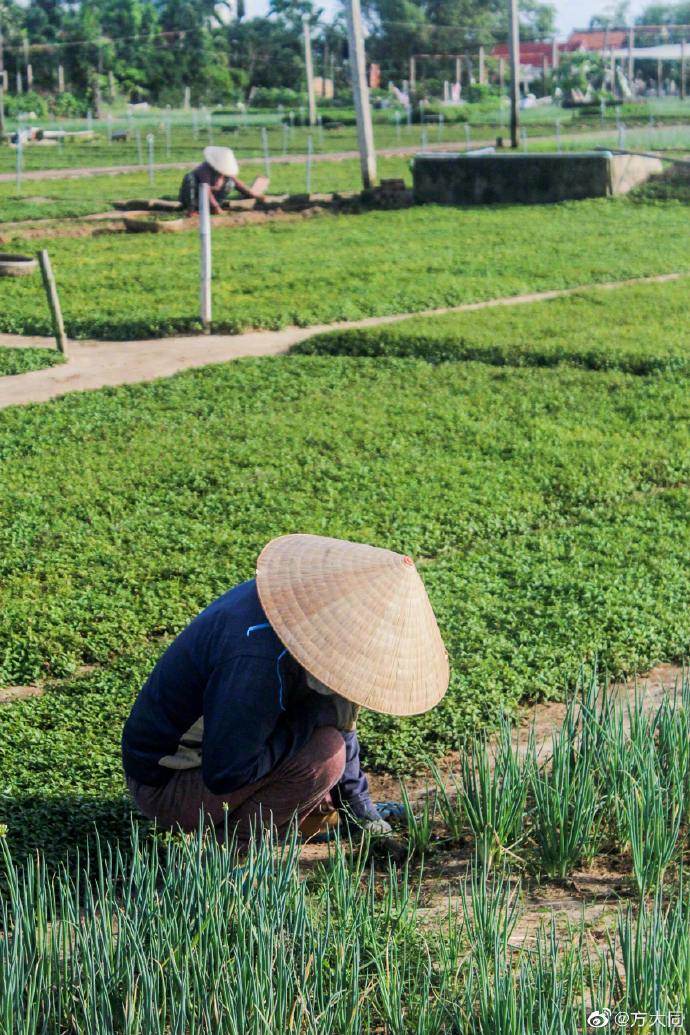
(97, 364)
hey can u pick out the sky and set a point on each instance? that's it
(575, 14)
(570, 14)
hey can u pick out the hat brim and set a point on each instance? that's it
(357, 618)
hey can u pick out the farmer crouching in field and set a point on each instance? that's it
(219, 170)
(252, 709)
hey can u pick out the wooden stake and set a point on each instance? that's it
(53, 301)
(205, 257)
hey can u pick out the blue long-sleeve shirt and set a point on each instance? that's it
(227, 695)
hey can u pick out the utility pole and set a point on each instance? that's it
(310, 70)
(2, 83)
(514, 47)
(358, 67)
(631, 60)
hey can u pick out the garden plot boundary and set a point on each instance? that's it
(405, 151)
(299, 159)
(98, 364)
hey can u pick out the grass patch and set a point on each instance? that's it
(650, 333)
(339, 268)
(20, 361)
(548, 509)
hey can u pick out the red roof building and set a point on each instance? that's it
(530, 53)
(596, 39)
(535, 53)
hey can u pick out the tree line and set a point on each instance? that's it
(153, 49)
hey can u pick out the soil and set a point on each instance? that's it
(118, 222)
(97, 364)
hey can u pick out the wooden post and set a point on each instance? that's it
(482, 67)
(545, 72)
(631, 60)
(358, 65)
(554, 54)
(29, 77)
(61, 79)
(682, 70)
(659, 74)
(205, 257)
(458, 70)
(309, 65)
(514, 40)
(413, 75)
(53, 301)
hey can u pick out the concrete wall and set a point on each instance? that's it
(487, 179)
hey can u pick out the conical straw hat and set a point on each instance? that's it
(222, 159)
(357, 618)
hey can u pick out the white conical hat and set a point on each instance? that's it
(222, 159)
(357, 618)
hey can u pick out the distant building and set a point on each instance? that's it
(534, 54)
(595, 39)
(530, 53)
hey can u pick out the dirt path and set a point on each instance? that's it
(95, 364)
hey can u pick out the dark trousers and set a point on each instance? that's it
(298, 785)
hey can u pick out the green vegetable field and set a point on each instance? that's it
(639, 329)
(547, 508)
(533, 457)
(338, 268)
